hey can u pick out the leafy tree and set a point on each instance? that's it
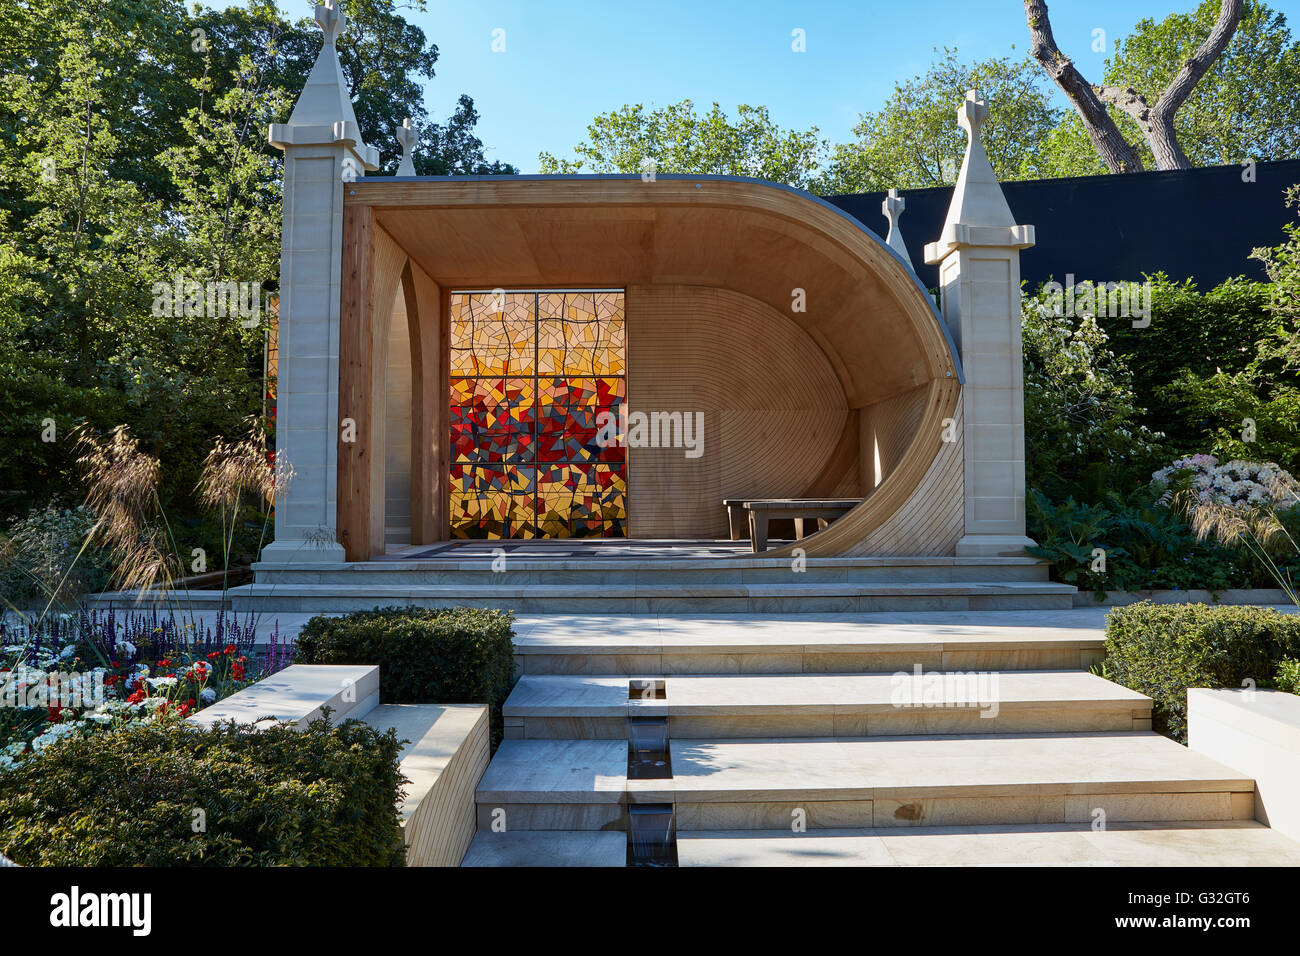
(680, 140)
(1242, 108)
(913, 141)
(383, 58)
(133, 151)
(452, 149)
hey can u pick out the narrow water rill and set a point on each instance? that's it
(652, 836)
(647, 753)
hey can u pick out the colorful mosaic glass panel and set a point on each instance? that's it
(492, 501)
(493, 334)
(574, 415)
(536, 377)
(580, 334)
(492, 419)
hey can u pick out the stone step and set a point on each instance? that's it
(682, 597)
(824, 705)
(938, 780)
(547, 848)
(1189, 843)
(809, 643)
(517, 571)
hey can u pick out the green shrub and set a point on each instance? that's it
(1288, 676)
(425, 656)
(1162, 649)
(1147, 545)
(271, 797)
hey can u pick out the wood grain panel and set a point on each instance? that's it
(429, 426)
(887, 429)
(772, 427)
(372, 271)
(901, 490)
(933, 518)
(356, 345)
(864, 308)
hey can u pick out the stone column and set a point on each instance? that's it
(323, 152)
(978, 254)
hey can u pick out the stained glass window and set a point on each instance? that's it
(531, 375)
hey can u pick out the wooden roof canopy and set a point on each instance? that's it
(864, 308)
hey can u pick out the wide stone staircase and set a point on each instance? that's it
(731, 582)
(830, 740)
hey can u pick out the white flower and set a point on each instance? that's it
(159, 682)
(52, 733)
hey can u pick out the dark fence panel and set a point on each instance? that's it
(1197, 223)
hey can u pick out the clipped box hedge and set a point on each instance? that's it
(173, 794)
(425, 655)
(1162, 649)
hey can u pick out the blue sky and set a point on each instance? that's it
(566, 62)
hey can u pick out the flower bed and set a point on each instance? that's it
(76, 675)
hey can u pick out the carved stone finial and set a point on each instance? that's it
(893, 207)
(978, 213)
(972, 113)
(331, 20)
(406, 138)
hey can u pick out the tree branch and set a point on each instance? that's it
(1116, 152)
(1162, 136)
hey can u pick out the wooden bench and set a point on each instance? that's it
(761, 511)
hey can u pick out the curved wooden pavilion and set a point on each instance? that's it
(815, 360)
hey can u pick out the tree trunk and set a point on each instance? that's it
(1115, 151)
(1156, 122)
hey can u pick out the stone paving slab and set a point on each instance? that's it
(592, 696)
(1224, 843)
(547, 848)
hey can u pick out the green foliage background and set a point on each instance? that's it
(133, 151)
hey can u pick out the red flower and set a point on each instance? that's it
(237, 671)
(231, 649)
(136, 697)
(214, 655)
